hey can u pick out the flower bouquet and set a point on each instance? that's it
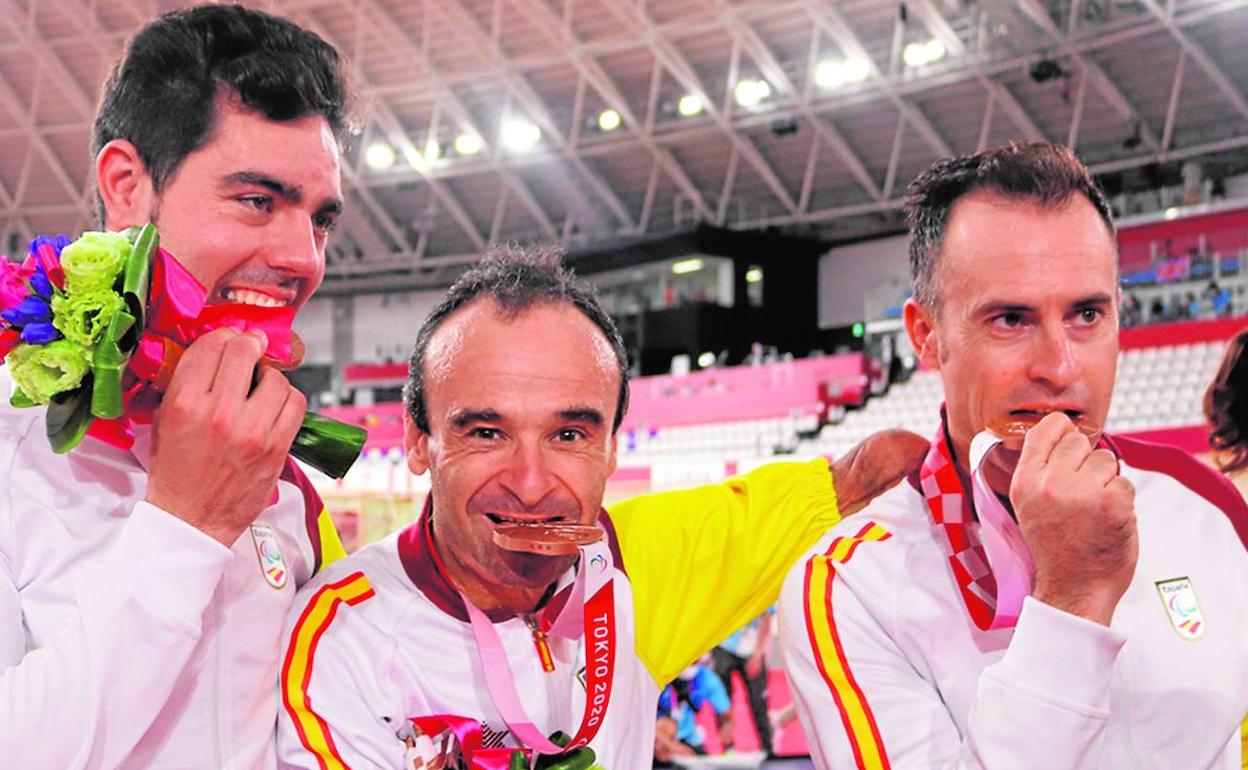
(93, 329)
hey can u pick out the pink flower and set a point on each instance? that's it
(13, 280)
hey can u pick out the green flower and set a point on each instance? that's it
(43, 371)
(93, 261)
(84, 315)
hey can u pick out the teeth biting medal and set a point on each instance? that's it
(546, 539)
(1011, 431)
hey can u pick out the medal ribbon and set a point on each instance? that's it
(468, 733)
(989, 558)
(598, 626)
(942, 488)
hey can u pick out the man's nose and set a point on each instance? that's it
(296, 247)
(1054, 360)
(528, 475)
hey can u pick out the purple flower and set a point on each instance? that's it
(58, 243)
(31, 310)
(40, 284)
(39, 333)
(33, 315)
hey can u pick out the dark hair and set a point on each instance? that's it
(516, 278)
(161, 96)
(1041, 172)
(1226, 407)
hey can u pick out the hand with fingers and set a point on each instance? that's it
(875, 465)
(218, 443)
(1077, 515)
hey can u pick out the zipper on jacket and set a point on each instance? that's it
(541, 643)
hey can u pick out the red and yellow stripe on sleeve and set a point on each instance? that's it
(856, 716)
(297, 668)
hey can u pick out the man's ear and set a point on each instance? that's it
(415, 445)
(124, 185)
(921, 326)
(615, 447)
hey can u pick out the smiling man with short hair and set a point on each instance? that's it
(444, 641)
(139, 626)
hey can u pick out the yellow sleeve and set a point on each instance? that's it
(331, 543)
(703, 562)
(1244, 742)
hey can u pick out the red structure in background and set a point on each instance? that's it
(1224, 232)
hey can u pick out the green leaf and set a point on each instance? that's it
(108, 363)
(69, 416)
(136, 281)
(330, 446)
(20, 400)
(580, 759)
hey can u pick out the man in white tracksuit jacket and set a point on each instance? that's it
(1088, 610)
(143, 591)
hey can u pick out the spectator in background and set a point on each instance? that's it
(745, 653)
(1132, 312)
(1157, 310)
(1191, 306)
(1222, 304)
(678, 733)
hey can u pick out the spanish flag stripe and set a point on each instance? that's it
(297, 668)
(856, 716)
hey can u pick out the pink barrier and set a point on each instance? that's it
(711, 395)
(760, 392)
(374, 374)
(740, 392)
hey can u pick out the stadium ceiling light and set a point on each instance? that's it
(832, 73)
(750, 93)
(521, 135)
(754, 275)
(414, 158)
(923, 54)
(706, 360)
(379, 156)
(469, 144)
(686, 266)
(690, 105)
(609, 120)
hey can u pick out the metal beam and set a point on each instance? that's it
(808, 176)
(537, 111)
(774, 72)
(1036, 12)
(985, 123)
(359, 276)
(1172, 109)
(592, 72)
(894, 204)
(941, 29)
(392, 128)
(1200, 57)
(684, 73)
(835, 26)
(1076, 117)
